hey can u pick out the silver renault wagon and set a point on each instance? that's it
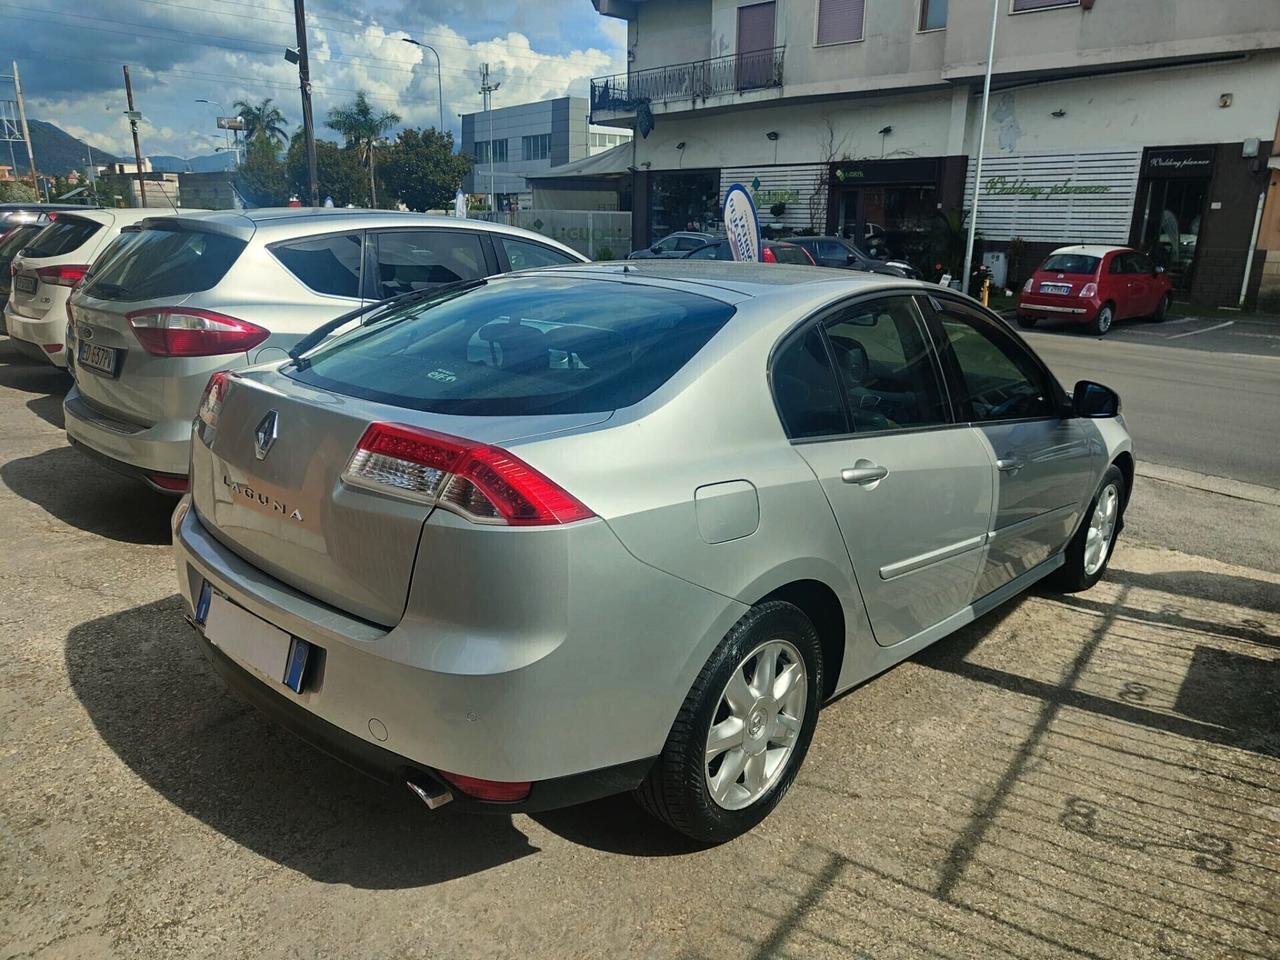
(536, 539)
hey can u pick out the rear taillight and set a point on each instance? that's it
(1026, 287)
(169, 482)
(485, 484)
(1089, 290)
(187, 332)
(496, 790)
(63, 275)
(768, 256)
(211, 399)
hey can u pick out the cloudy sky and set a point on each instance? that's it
(70, 54)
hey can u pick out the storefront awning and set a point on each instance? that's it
(611, 163)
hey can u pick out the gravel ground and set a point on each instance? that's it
(1094, 776)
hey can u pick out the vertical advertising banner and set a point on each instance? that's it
(742, 224)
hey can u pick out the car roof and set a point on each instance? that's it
(1091, 250)
(279, 223)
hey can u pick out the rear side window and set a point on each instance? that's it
(524, 254)
(521, 346)
(804, 386)
(1072, 263)
(786, 253)
(712, 251)
(163, 263)
(62, 236)
(409, 260)
(328, 265)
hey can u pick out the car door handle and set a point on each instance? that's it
(1010, 464)
(864, 472)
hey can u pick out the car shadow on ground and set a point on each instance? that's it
(159, 706)
(68, 485)
(49, 383)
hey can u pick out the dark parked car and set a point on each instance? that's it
(838, 252)
(672, 245)
(773, 251)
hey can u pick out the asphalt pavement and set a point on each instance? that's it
(1092, 777)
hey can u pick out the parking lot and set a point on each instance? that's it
(1094, 776)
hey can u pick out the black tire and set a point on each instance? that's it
(1071, 577)
(1162, 308)
(676, 790)
(1026, 323)
(1104, 321)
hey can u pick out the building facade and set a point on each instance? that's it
(1148, 122)
(526, 140)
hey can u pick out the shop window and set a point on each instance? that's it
(840, 21)
(1024, 6)
(933, 15)
(685, 201)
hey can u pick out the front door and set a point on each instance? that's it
(755, 45)
(1044, 460)
(911, 491)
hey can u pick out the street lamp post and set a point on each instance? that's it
(226, 134)
(439, 75)
(982, 143)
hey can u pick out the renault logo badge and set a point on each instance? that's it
(265, 435)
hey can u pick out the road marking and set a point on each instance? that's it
(1192, 333)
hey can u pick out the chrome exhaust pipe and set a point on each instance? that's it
(434, 795)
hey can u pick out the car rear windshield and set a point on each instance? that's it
(521, 346)
(1071, 263)
(11, 242)
(165, 262)
(62, 236)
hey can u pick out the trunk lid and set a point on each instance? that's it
(290, 514)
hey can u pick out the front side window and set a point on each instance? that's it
(933, 14)
(806, 391)
(409, 260)
(998, 379)
(521, 346)
(524, 254)
(840, 21)
(885, 366)
(329, 265)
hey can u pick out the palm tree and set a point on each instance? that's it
(261, 120)
(362, 128)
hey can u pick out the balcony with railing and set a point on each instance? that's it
(687, 82)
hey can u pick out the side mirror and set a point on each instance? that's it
(1094, 401)
(1159, 270)
(851, 258)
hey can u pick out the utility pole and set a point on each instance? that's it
(26, 134)
(134, 116)
(982, 144)
(304, 83)
(487, 89)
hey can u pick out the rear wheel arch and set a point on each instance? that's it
(817, 601)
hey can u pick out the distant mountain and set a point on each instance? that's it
(57, 152)
(206, 163)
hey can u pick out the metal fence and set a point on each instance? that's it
(600, 235)
(737, 72)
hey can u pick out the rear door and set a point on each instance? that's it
(910, 489)
(403, 260)
(1044, 459)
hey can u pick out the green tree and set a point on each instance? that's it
(421, 169)
(339, 172)
(362, 128)
(15, 191)
(261, 178)
(261, 120)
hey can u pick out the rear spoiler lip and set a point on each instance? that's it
(238, 231)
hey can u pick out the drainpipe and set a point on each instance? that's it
(1253, 249)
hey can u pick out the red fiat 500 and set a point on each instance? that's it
(1095, 286)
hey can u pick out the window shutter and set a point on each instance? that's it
(840, 21)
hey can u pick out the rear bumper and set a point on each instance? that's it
(38, 334)
(1058, 308)
(164, 447)
(577, 706)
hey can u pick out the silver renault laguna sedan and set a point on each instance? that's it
(536, 539)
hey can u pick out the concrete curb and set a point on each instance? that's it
(1222, 486)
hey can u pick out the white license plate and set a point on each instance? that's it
(97, 358)
(1061, 289)
(247, 639)
(24, 283)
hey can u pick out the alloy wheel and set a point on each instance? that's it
(1104, 319)
(756, 725)
(1102, 528)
